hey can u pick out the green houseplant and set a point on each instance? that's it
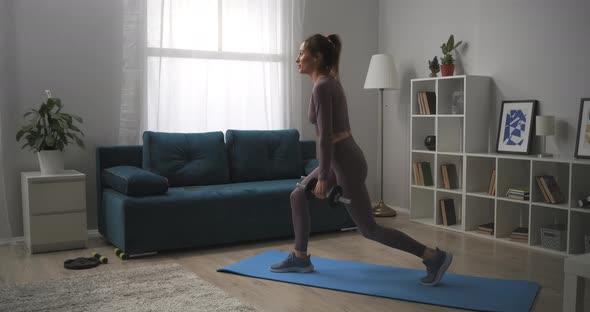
(447, 61)
(48, 131)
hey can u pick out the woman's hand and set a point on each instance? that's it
(321, 189)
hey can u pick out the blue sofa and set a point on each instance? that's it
(197, 189)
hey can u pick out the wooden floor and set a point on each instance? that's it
(472, 256)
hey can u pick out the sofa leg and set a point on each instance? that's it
(349, 229)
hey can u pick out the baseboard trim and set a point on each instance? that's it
(20, 239)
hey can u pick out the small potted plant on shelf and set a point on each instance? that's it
(433, 66)
(447, 61)
(48, 131)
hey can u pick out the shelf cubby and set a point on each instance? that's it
(451, 90)
(427, 157)
(426, 85)
(580, 184)
(422, 201)
(456, 160)
(579, 227)
(457, 202)
(450, 134)
(509, 216)
(478, 211)
(479, 174)
(559, 170)
(512, 173)
(542, 216)
(421, 128)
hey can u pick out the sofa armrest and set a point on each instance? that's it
(309, 165)
(134, 181)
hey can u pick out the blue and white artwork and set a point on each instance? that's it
(514, 127)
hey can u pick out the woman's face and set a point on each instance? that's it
(306, 63)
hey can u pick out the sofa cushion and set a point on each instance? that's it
(186, 158)
(256, 155)
(134, 181)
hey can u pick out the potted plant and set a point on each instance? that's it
(447, 61)
(48, 131)
(433, 66)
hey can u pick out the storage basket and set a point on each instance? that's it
(554, 237)
(587, 243)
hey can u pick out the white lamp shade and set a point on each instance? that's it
(545, 125)
(382, 73)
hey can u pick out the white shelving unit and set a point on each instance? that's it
(462, 140)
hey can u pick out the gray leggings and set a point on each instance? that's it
(349, 170)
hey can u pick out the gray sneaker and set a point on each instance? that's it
(293, 264)
(436, 268)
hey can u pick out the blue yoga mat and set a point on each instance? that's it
(457, 291)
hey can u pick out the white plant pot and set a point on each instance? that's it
(51, 162)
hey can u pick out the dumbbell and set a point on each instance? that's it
(121, 254)
(334, 196)
(102, 259)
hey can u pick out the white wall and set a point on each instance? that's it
(5, 230)
(356, 23)
(74, 48)
(533, 49)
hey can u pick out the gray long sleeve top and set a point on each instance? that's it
(328, 111)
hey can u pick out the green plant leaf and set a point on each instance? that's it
(451, 43)
(78, 118)
(79, 142)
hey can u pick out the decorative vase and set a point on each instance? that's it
(430, 142)
(51, 162)
(447, 69)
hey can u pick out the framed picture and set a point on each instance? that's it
(517, 124)
(583, 137)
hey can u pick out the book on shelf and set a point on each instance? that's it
(426, 173)
(520, 234)
(542, 188)
(521, 193)
(486, 228)
(449, 176)
(492, 184)
(422, 173)
(421, 110)
(426, 101)
(551, 188)
(447, 211)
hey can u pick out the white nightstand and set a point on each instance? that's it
(54, 210)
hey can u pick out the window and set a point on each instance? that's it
(217, 64)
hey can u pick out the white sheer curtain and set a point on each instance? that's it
(207, 65)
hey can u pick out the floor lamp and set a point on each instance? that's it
(382, 75)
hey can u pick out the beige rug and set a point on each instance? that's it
(165, 287)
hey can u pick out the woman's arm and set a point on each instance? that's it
(323, 101)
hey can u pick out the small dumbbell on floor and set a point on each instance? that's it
(334, 197)
(121, 254)
(102, 259)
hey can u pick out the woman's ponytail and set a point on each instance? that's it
(335, 40)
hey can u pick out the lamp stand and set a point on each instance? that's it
(382, 210)
(543, 154)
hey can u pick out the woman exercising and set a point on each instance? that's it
(341, 161)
